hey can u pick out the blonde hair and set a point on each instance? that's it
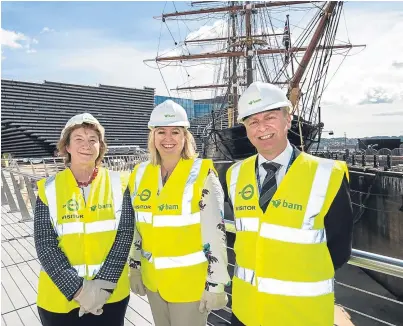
(65, 141)
(286, 111)
(188, 151)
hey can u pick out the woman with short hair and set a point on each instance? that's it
(82, 234)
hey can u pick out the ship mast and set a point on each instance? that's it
(294, 90)
(233, 78)
(249, 42)
(242, 53)
(244, 46)
(232, 8)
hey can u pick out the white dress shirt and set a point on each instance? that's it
(283, 159)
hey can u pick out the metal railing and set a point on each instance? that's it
(389, 160)
(19, 190)
(19, 177)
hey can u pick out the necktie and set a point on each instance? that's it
(269, 186)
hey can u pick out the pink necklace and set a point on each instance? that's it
(93, 176)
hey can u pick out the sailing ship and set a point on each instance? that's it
(263, 41)
(257, 43)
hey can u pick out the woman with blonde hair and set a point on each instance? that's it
(179, 255)
(82, 234)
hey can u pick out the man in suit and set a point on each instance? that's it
(293, 218)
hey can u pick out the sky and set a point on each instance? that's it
(93, 43)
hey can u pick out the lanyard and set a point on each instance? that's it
(292, 158)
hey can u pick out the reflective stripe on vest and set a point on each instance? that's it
(93, 269)
(250, 224)
(233, 181)
(139, 176)
(180, 261)
(81, 270)
(147, 255)
(117, 196)
(50, 191)
(69, 228)
(245, 274)
(318, 192)
(188, 191)
(295, 289)
(78, 227)
(273, 286)
(287, 234)
(101, 226)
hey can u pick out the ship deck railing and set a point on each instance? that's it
(384, 159)
(359, 300)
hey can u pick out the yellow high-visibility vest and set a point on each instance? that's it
(284, 273)
(173, 262)
(86, 232)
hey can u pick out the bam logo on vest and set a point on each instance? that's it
(94, 207)
(167, 207)
(247, 192)
(276, 203)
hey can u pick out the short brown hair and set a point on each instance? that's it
(65, 141)
(188, 151)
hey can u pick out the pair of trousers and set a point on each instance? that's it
(175, 314)
(113, 315)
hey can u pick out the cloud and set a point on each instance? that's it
(398, 65)
(378, 95)
(364, 120)
(218, 29)
(15, 41)
(367, 76)
(12, 39)
(47, 30)
(389, 113)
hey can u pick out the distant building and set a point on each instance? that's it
(187, 104)
(34, 114)
(194, 108)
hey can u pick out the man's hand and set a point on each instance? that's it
(212, 301)
(93, 296)
(136, 282)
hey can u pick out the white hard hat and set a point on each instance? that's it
(260, 97)
(79, 119)
(168, 114)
